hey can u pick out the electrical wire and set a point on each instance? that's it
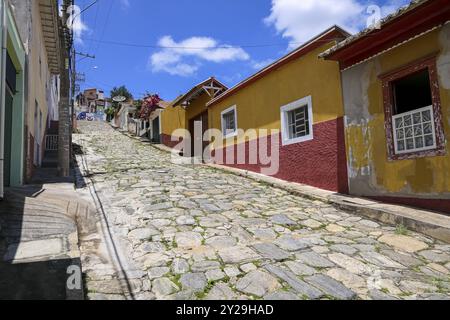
(84, 10)
(137, 45)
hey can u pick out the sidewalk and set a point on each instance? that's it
(39, 240)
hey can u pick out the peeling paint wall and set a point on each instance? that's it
(370, 171)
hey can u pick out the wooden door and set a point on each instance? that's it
(203, 120)
(156, 134)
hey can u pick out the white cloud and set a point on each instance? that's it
(300, 20)
(125, 4)
(79, 28)
(261, 64)
(75, 22)
(391, 6)
(231, 79)
(184, 58)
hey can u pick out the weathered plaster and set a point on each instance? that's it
(443, 61)
(370, 171)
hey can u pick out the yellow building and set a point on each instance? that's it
(296, 107)
(396, 87)
(186, 111)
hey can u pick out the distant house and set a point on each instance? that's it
(91, 101)
(122, 116)
(189, 109)
(153, 125)
(396, 88)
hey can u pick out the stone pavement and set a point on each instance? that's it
(39, 242)
(168, 231)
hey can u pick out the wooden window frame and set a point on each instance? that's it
(428, 63)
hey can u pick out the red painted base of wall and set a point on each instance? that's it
(440, 205)
(320, 162)
(167, 141)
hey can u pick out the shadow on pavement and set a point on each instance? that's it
(44, 280)
(36, 243)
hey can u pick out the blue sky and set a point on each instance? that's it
(178, 43)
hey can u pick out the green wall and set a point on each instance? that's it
(17, 53)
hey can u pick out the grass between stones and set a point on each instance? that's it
(401, 230)
(176, 279)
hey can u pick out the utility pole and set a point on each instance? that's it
(76, 79)
(74, 71)
(65, 116)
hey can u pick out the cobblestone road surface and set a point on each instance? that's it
(191, 232)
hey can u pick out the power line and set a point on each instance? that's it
(111, 4)
(94, 25)
(126, 44)
(149, 46)
(84, 10)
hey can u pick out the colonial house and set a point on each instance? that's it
(12, 100)
(153, 125)
(91, 101)
(124, 115)
(396, 90)
(295, 105)
(188, 110)
(171, 119)
(150, 127)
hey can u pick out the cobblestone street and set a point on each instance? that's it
(169, 231)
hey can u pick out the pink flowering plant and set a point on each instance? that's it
(149, 104)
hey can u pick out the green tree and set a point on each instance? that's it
(120, 91)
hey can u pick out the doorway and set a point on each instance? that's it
(202, 121)
(156, 136)
(9, 102)
(37, 135)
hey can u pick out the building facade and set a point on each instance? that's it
(189, 113)
(12, 100)
(172, 119)
(291, 111)
(38, 28)
(91, 101)
(196, 118)
(396, 87)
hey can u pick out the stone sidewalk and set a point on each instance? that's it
(169, 231)
(39, 242)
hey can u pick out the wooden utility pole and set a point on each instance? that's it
(65, 114)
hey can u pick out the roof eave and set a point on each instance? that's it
(49, 24)
(416, 18)
(196, 90)
(300, 51)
